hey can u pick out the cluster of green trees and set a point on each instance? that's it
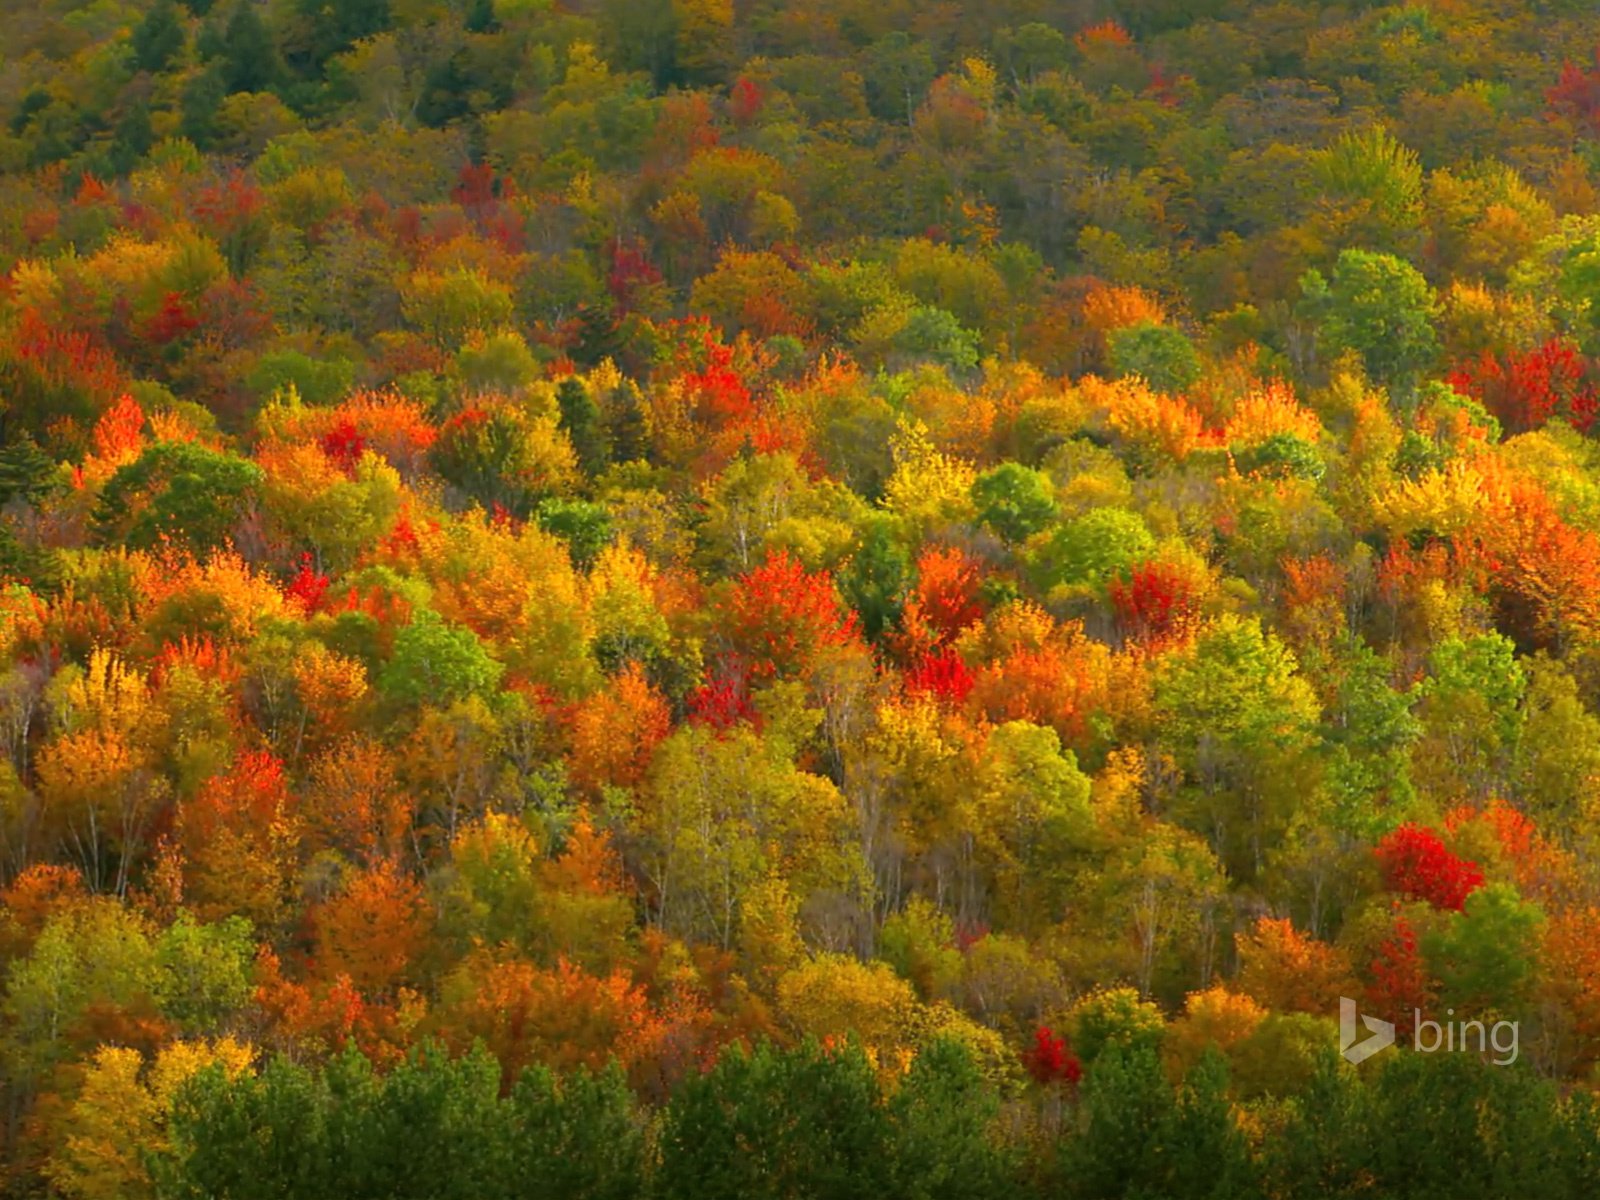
(823, 1123)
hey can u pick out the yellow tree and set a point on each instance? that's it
(103, 1142)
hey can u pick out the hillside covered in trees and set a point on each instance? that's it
(798, 598)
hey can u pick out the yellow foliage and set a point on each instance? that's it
(1442, 503)
(835, 996)
(108, 696)
(1267, 411)
(928, 487)
(120, 1116)
(1162, 428)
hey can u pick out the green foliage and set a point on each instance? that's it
(205, 970)
(435, 663)
(1159, 354)
(1092, 548)
(583, 525)
(1014, 501)
(1380, 307)
(176, 492)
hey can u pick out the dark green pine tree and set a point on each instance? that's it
(580, 418)
(27, 472)
(626, 434)
(250, 59)
(158, 38)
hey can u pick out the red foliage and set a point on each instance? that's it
(227, 207)
(1577, 93)
(723, 701)
(307, 588)
(780, 614)
(344, 446)
(68, 358)
(475, 187)
(1163, 88)
(944, 676)
(1525, 390)
(720, 397)
(251, 793)
(745, 100)
(948, 594)
(171, 321)
(1418, 865)
(202, 654)
(631, 271)
(1400, 984)
(1049, 1061)
(1154, 600)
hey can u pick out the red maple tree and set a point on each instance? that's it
(1416, 863)
(1049, 1061)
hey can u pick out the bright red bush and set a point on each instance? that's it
(1049, 1061)
(1418, 865)
(944, 676)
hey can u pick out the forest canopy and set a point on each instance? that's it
(798, 598)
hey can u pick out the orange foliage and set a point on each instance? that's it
(1059, 681)
(1314, 598)
(118, 434)
(615, 732)
(1155, 426)
(1541, 869)
(354, 801)
(563, 1017)
(1267, 411)
(240, 597)
(1546, 569)
(1106, 33)
(35, 895)
(323, 1015)
(1288, 971)
(372, 932)
(945, 601)
(1571, 956)
(239, 840)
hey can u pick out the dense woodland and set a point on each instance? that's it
(797, 598)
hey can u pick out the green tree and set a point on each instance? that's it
(578, 1136)
(1092, 548)
(435, 663)
(944, 1143)
(772, 1123)
(159, 37)
(580, 419)
(1014, 501)
(205, 971)
(176, 492)
(1380, 307)
(1159, 354)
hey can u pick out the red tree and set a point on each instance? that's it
(780, 615)
(944, 676)
(1049, 1061)
(1418, 865)
(1524, 390)
(344, 446)
(1577, 93)
(307, 588)
(1400, 985)
(1153, 600)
